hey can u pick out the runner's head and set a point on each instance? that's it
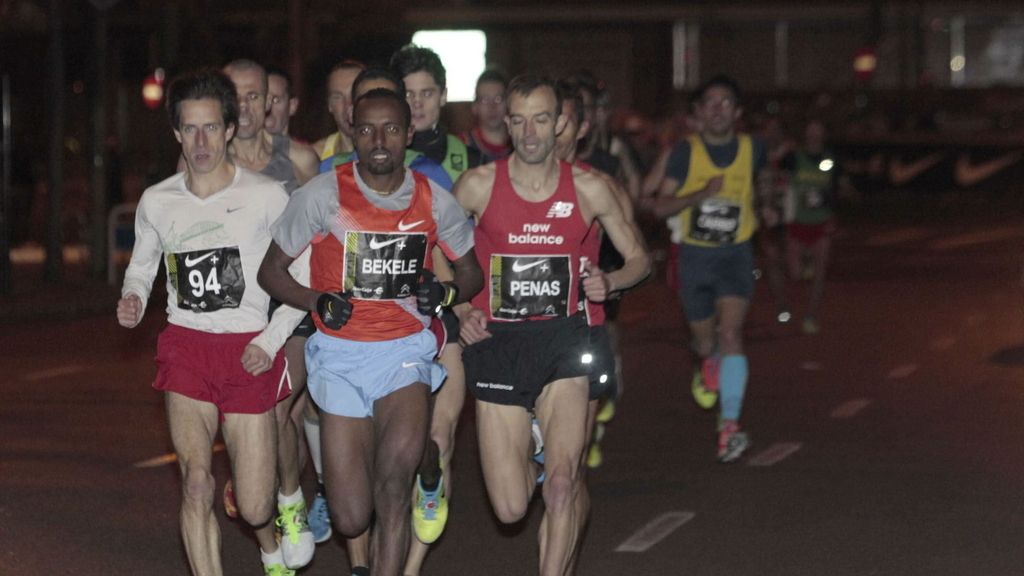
(381, 130)
(282, 105)
(718, 106)
(534, 117)
(425, 84)
(339, 93)
(203, 108)
(576, 125)
(490, 104)
(373, 78)
(250, 80)
(815, 135)
(588, 89)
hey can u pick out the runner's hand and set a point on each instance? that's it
(472, 326)
(714, 186)
(129, 310)
(255, 360)
(334, 309)
(595, 284)
(432, 296)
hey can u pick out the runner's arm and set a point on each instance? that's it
(604, 206)
(305, 161)
(142, 269)
(286, 317)
(666, 204)
(275, 278)
(469, 279)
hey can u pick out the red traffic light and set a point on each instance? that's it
(153, 89)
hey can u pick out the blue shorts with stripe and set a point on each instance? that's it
(346, 377)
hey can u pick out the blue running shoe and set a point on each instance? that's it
(320, 519)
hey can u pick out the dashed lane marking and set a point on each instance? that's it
(54, 372)
(897, 237)
(975, 238)
(655, 531)
(169, 458)
(850, 408)
(902, 371)
(811, 366)
(775, 453)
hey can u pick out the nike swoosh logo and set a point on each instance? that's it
(375, 245)
(410, 364)
(230, 210)
(189, 262)
(516, 267)
(403, 226)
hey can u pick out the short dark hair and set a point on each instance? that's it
(567, 90)
(275, 71)
(385, 94)
(243, 64)
(721, 81)
(411, 58)
(491, 75)
(526, 84)
(347, 64)
(200, 84)
(378, 73)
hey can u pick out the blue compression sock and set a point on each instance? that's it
(732, 382)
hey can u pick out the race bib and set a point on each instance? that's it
(715, 220)
(383, 265)
(526, 286)
(207, 280)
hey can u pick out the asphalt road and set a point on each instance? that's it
(890, 443)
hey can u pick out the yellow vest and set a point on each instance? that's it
(329, 146)
(727, 217)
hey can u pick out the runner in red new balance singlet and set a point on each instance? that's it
(526, 333)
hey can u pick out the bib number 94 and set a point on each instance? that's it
(207, 280)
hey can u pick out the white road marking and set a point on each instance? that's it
(943, 343)
(850, 408)
(774, 454)
(655, 531)
(811, 366)
(54, 372)
(974, 238)
(896, 237)
(902, 371)
(169, 458)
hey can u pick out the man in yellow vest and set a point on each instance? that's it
(709, 188)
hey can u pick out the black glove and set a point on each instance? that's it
(334, 309)
(432, 295)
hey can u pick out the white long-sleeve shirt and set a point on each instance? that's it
(212, 248)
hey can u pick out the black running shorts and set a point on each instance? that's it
(602, 364)
(520, 358)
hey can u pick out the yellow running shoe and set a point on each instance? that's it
(277, 570)
(297, 545)
(704, 396)
(594, 456)
(429, 512)
(607, 412)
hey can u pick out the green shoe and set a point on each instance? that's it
(277, 570)
(429, 512)
(297, 544)
(704, 396)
